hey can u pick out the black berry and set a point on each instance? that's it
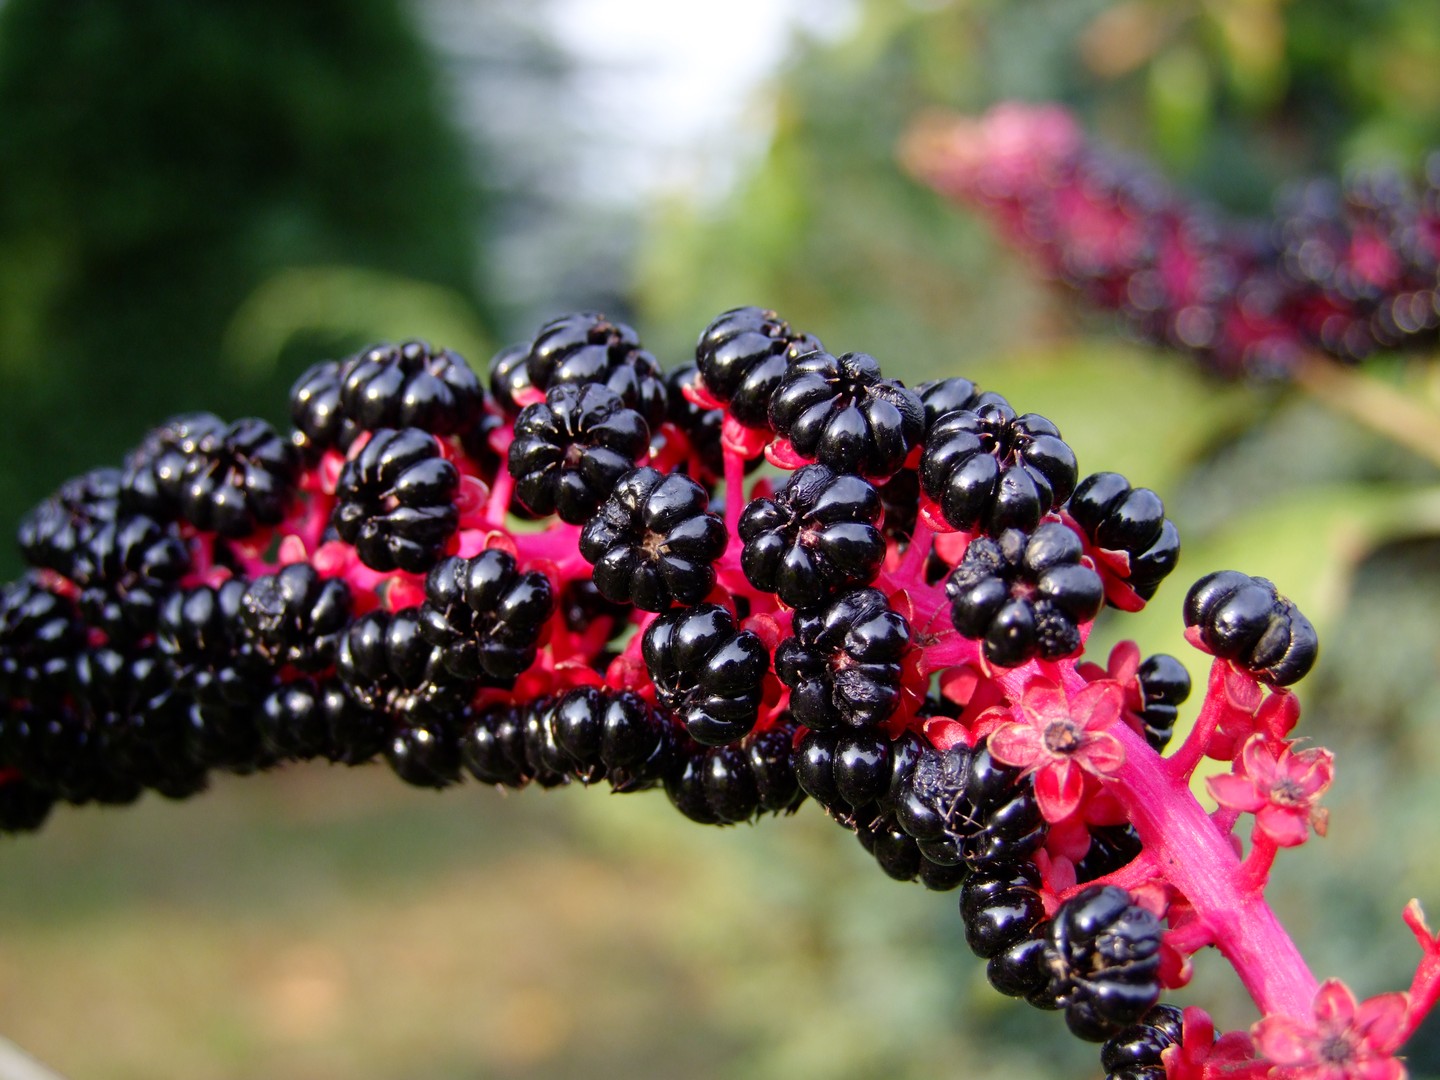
(743, 355)
(1243, 619)
(395, 501)
(1103, 957)
(484, 615)
(707, 671)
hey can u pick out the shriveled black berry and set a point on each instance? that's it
(842, 413)
(743, 355)
(990, 470)
(1135, 1053)
(587, 348)
(1243, 619)
(1164, 686)
(707, 671)
(484, 615)
(1103, 957)
(572, 449)
(816, 537)
(653, 542)
(1024, 594)
(395, 501)
(294, 616)
(1000, 905)
(411, 385)
(1119, 519)
(944, 396)
(843, 663)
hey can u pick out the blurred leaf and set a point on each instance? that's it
(349, 301)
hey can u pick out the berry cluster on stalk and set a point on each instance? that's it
(570, 572)
(1343, 269)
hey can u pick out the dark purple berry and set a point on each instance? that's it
(395, 501)
(1135, 1053)
(1244, 620)
(1000, 905)
(1103, 958)
(1120, 519)
(484, 615)
(707, 671)
(1164, 686)
(294, 616)
(816, 537)
(320, 422)
(653, 542)
(411, 385)
(743, 355)
(587, 348)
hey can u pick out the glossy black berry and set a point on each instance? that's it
(510, 377)
(484, 615)
(817, 537)
(742, 357)
(388, 667)
(893, 849)
(1244, 620)
(315, 410)
(636, 741)
(1111, 847)
(294, 616)
(1103, 957)
(771, 756)
(653, 542)
(40, 633)
(202, 641)
(1136, 1052)
(305, 719)
(426, 753)
(1025, 594)
(990, 470)
(125, 569)
(587, 348)
(1121, 520)
(239, 480)
(815, 769)
(1164, 686)
(707, 671)
(54, 532)
(1000, 905)
(395, 501)
(1018, 970)
(729, 784)
(843, 663)
(862, 766)
(842, 413)
(944, 396)
(572, 449)
(154, 471)
(492, 745)
(411, 385)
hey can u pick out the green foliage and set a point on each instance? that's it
(164, 161)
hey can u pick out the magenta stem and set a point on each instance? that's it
(734, 491)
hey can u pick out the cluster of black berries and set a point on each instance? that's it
(1344, 269)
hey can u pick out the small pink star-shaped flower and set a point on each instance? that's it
(1059, 739)
(1346, 1040)
(1279, 789)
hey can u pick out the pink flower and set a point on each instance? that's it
(1345, 1041)
(1279, 790)
(1059, 739)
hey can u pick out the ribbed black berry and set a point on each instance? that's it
(53, 533)
(509, 377)
(1000, 905)
(707, 671)
(893, 848)
(125, 568)
(1135, 1053)
(1164, 686)
(426, 752)
(944, 396)
(843, 663)
(388, 667)
(411, 385)
(1103, 958)
(305, 719)
(1025, 594)
(842, 413)
(315, 410)
(771, 756)
(1243, 619)
(154, 471)
(40, 633)
(1111, 847)
(815, 538)
(653, 542)
(492, 745)
(743, 355)
(587, 348)
(240, 481)
(990, 470)
(573, 448)
(395, 501)
(485, 616)
(294, 616)
(1118, 518)
(202, 640)
(701, 427)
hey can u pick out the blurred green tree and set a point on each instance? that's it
(161, 163)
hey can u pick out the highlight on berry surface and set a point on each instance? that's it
(578, 570)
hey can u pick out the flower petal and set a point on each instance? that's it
(1283, 824)
(1335, 1005)
(1381, 1020)
(1059, 786)
(1124, 661)
(1015, 744)
(1284, 1041)
(1236, 792)
(1257, 760)
(1043, 702)
(1313, 770)
(1102, 754)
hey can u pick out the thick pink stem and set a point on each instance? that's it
(734, 492)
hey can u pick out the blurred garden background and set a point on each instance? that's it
(197, 201)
